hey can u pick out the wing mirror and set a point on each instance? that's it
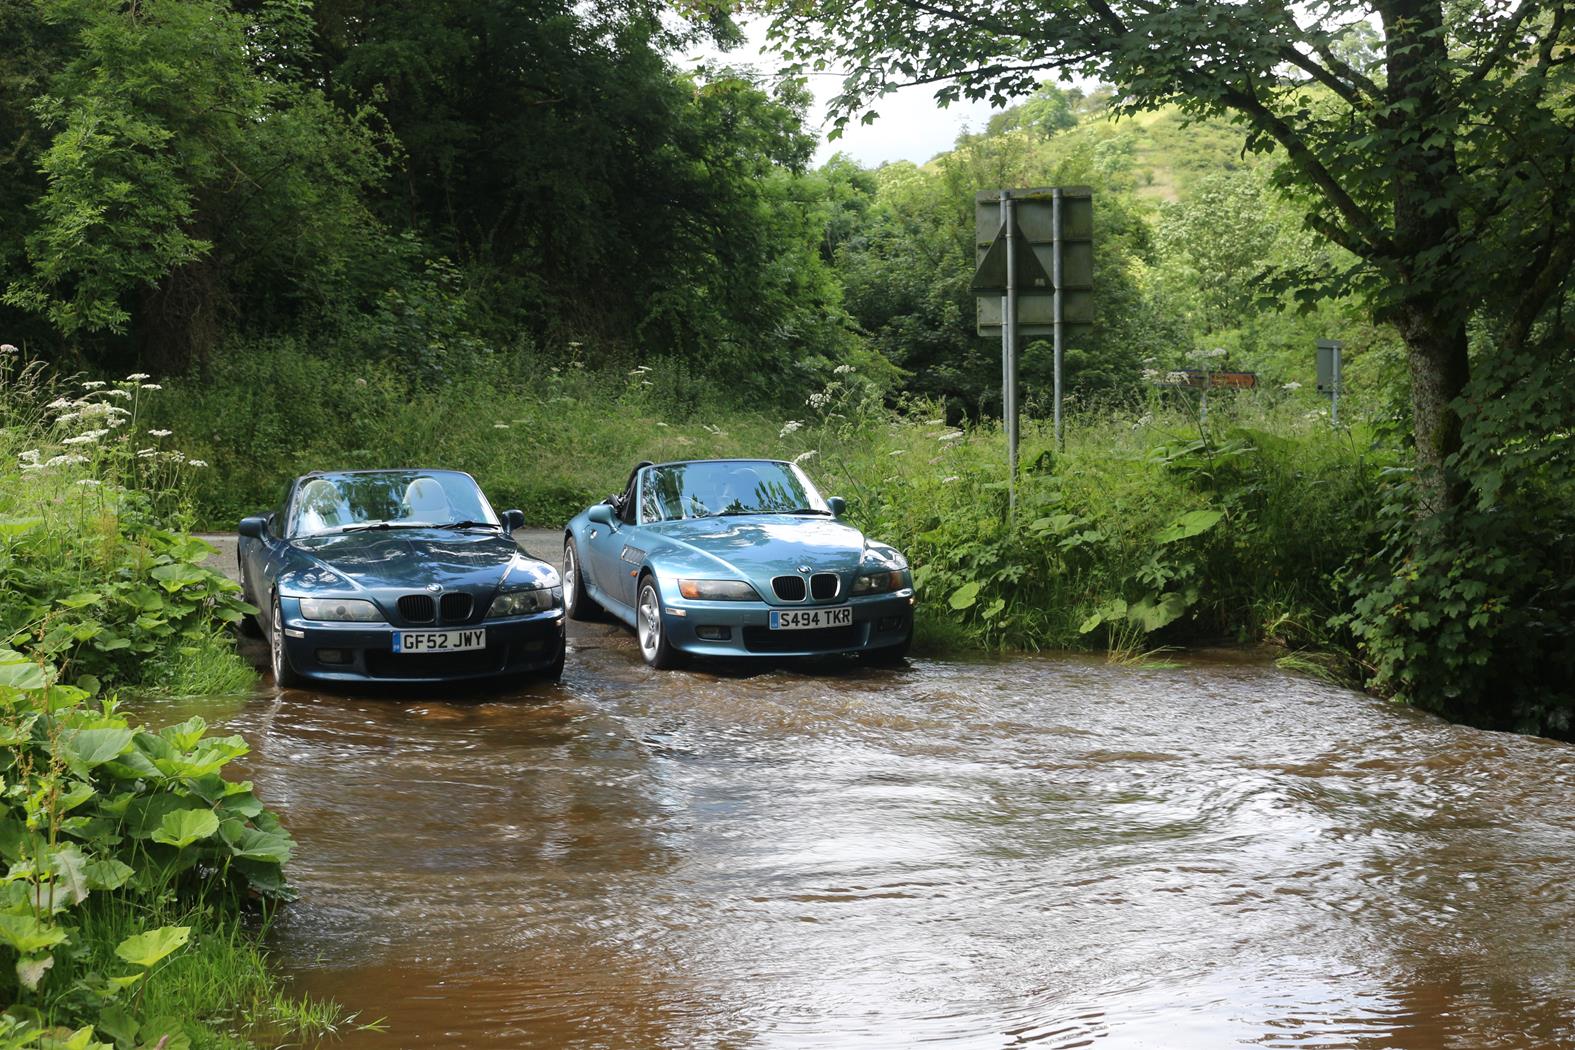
(838, 505)
(252, 527)
(513, 519)
(601, 514)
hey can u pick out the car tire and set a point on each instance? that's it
(577, 600)
(284, 676)
(249, 626)
(889, 655)
(649, 628)
(554, 671)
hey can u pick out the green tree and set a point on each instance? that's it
(1446, 172)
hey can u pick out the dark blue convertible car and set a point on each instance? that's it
(398, 576)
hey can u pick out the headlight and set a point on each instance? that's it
(877, 583)
(340, 609)
(717, 590)
(522, 603)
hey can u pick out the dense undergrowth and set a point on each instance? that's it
(136, 874)
(1150, 527)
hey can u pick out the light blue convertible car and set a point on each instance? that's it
(734, 558)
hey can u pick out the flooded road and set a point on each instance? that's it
(1046, 851)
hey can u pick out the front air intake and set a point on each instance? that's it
(788, 588)
(417, 608)
(456, 607)
(823, 586)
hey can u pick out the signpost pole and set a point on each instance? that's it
(1009, 350)
(1334, 402)
(1056, 316)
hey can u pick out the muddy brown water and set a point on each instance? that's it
(1048, 851)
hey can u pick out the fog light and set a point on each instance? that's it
(889, 623)
(714, 634)
(333, 656)
(536, 646)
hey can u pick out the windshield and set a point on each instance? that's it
(399, 498)
(708, 489)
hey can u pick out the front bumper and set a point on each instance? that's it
(364, 652)
(880, 621)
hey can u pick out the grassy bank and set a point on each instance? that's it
(136, 875)
(1149, 529)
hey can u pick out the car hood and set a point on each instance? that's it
(766, 545)
(404, 558)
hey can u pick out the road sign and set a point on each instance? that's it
(1034, 210)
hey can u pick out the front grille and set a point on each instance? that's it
(456, 607)
(824, 639)
(824, 585)
(417, 608)
(383, 663)
(788, 588)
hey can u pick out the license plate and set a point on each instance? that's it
(809, 619)
(439, 641)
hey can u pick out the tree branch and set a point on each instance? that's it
(1505, 40)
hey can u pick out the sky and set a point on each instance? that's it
(912, 125)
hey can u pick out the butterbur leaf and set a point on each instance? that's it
(165, 1033)
(107, 873)
(28, 935)
(94, 747)
(18, 672)
(119, 1025)
(1188, 525)
(183, 827)
(69, 866)
(146, 949)
(964, 596)
(81, 600)
(256, 844)
(184, 736)
(30, 969)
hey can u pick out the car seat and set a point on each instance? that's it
(323, 508)
(425, 500)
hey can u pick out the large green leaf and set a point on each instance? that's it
(1188, 525)
(177, 576)
(145, 949)
(185, 735)
(1153, 613)
(18, 672)
(94, 747)
(30, 969)
(70, 868)
(183, 827)
(28, 935)
(256, 844)
(13, 526)
(964, 596)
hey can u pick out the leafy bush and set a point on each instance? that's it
(95, 576)
(98, 815)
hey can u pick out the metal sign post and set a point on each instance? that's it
(1329, 377)
(1035, 278)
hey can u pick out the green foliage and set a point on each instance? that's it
(1473, 614)
(98, 815)
(93, 577)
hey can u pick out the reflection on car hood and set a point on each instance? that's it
(766, 545)
(402, 557)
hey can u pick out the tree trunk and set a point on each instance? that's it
(1440, 367)
(1426, 237)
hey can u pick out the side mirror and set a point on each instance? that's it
(838, 505)
(513, 519)
(601, 514)
(252, 527)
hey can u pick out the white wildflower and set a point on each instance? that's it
(137, 377)
(950, 478)
(802, 456)
(660, 423)
(934, 422)
(69, 459)
(789, 427)
(67, 417)
(500, 426)
(147, 453)
(87, 437)
(1150, 374)
(29, 455)
(60, 402)
(152, 386)
(897, 452)
(1177, 378)
(360, 382)
(1292, 385)
(89, 482)
(93, 384)
(842, 370)
(950, 435)
(639, 370)
(196, 463)
(161, 433)
(7, 348)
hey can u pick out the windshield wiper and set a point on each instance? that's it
(390, 525)
(799, 510)
(470, 525)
